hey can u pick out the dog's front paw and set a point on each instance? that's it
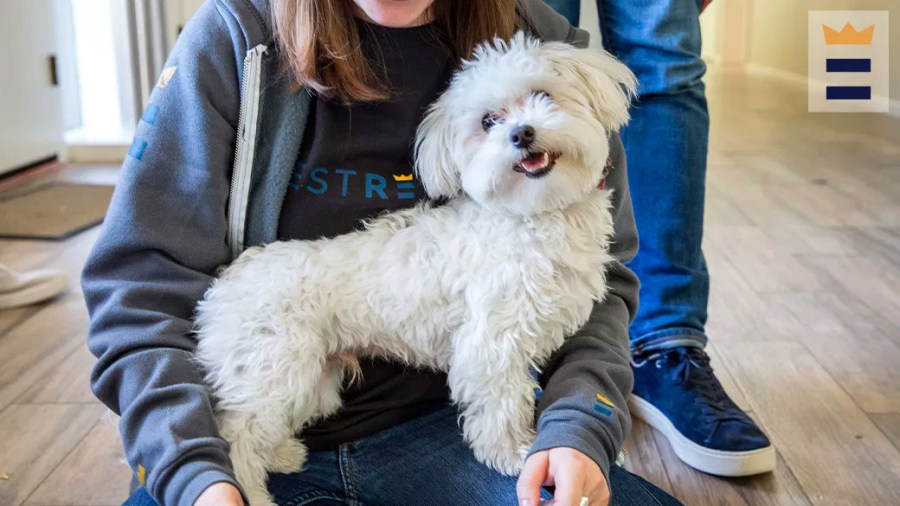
(505, 461)
(289, 457)
(505, 453)
(260, 498)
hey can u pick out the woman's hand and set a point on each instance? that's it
(573, 474)
(220, 494)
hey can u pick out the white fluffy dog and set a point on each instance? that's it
(484, 287)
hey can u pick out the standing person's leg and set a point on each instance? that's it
(571, 9)
(666, 145)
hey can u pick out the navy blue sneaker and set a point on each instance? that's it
(677, 393)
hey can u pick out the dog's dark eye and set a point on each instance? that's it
(542, 94)
(488, 121)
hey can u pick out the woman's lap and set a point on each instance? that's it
(423, 461)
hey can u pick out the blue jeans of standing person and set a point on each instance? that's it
(665, 144)
(421, 462)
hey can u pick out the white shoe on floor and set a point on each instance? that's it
(22, 289)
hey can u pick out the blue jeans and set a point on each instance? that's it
(421, 462)
(666, 144)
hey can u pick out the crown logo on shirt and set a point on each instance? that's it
(403, 177)
(848, 35)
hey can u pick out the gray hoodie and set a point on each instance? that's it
(205, 178)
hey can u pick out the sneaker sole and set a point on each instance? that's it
(708, 460)
(34, 294)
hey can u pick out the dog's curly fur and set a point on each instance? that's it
(484, 287)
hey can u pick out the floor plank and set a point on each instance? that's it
(794, 233)
(33, 348)
(733, 305)
(762, 265)
(853, 345)
(94, 473)
(792, 393)
(823, 206)
(721, 211)
(879, 289)
(44, 435)
(876, 199)
(736, 311)
(643, 457)
(881, 245)
(889, 423)
(67, 382)
(9, 318)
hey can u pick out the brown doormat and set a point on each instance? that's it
(56, 211)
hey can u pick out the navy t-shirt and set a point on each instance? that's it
(355, 162)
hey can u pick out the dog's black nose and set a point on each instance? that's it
(522, 136)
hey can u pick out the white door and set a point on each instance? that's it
(31, 117)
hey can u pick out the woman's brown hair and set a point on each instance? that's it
(320, 46)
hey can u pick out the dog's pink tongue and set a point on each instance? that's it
(535, 162)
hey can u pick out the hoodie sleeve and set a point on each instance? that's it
(161, 242)
(587, 381)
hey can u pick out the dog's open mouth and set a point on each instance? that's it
(536, 165)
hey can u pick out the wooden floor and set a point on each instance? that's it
(803, 243)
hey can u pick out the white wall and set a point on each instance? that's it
(709, 26)
(725, 28)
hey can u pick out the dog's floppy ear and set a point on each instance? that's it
(434, 164)
(605, 82)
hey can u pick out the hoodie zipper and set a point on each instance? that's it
(244, 150)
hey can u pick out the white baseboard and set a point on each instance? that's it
(83, 146)
(801, 81)
(96, 153)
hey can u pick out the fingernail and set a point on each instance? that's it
(526, 502)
